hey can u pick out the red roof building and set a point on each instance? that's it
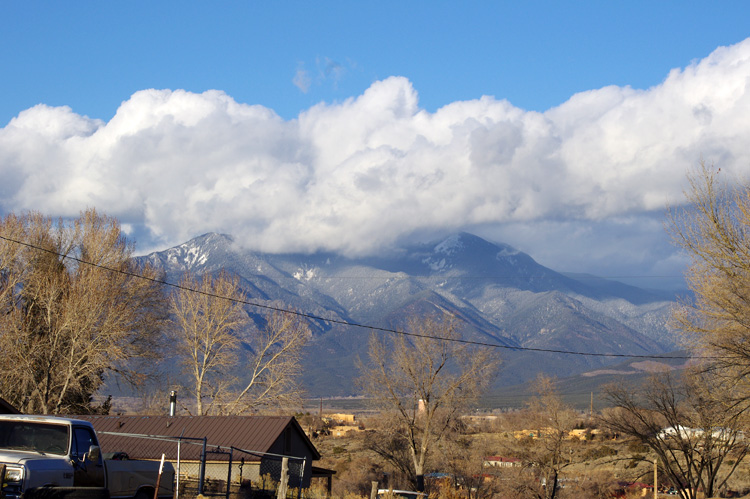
(254, 444)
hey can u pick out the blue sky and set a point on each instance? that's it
(561, 128)
(91, 56)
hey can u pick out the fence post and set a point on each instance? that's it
(158, 477)
(177, 487)
(229, 472)
(202, 469)
(301, 477)
(374, 490)
(284, 479)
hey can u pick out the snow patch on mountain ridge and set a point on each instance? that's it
(435, 265)
(187, 256)
(450, 246)
(305, 274)
(506, 252)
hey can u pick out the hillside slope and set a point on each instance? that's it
(503, 296)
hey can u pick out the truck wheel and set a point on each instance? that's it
(144, 494)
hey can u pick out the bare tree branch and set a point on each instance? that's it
(714, 232)
(688, 425)
(64, 324)
(212, 335)
(424, 382)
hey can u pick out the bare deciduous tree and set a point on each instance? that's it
(274, 367)
(65, 323)
(463, 458)
(424, 381)
(213, 335)
(208, 317)
(549, 451)
(692, 430)
(714, 230)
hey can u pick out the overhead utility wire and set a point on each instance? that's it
(345, 323)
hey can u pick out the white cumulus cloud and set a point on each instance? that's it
(359, 175)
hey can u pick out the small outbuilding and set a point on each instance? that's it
(255, 445)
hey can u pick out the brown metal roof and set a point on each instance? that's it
(250, 433)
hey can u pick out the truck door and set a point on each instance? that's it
(87, 473)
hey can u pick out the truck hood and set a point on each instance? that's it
(21, 457)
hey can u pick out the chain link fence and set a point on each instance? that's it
(211, 469)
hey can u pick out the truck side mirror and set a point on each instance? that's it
(93, 453)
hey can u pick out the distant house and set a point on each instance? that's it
(342, 417)
(262, 440)
(501, 462)
(6, 408)
(685, 433)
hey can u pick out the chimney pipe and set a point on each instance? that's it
(172, 402)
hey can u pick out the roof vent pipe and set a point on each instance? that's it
(172, 402)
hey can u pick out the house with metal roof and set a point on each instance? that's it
(237, 448)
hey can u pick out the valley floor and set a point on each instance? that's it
(489, 452)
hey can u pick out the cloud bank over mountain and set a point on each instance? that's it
(360, 175)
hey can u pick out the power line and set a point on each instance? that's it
(395, 276)
(342, 322)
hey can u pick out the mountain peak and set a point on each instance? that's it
(469, 253)
(463, 241)
(450, 245)
(210, 238)
(192, 254)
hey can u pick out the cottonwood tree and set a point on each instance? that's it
(212, 335)
(72, 308)
(693, 431)
(545, 455)
(207, 316)
(714, 231)
(462, 456)
(422, 382)
(389, 442)
(274, 368)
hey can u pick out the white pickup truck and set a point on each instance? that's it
(50, 457)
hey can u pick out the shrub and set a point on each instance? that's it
(637, 447)
(599, 452)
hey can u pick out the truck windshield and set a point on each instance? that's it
(34, 437)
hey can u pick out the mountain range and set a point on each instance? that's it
(502, 295)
